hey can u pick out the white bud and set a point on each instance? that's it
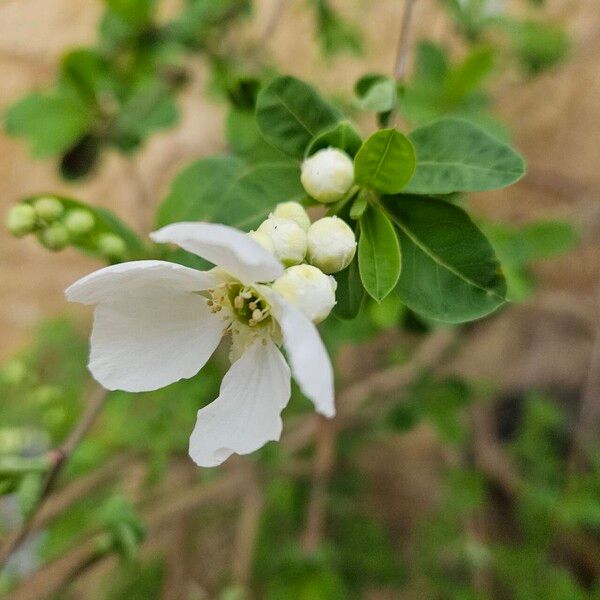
(294, 211)
(327, 175)
(331, 244)
(308, 289)
(289, 239)
(263, 240)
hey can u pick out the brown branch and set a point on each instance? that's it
(248, 527)
(588, 425)
(54, 576)
(323, 466)
(403, 41)
(273, 22)
(59, 459)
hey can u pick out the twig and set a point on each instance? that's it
(322, 470)
(142, 201)
(273, 22)
(403, 41)
(59, 459)
(245, 543)
(588, 424)
(164, 511)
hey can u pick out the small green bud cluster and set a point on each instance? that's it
(57, 226)
(312, 252)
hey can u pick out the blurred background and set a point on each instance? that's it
(464, 462)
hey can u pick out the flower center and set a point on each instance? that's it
(244, 302)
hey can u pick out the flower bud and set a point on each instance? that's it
(294, 211)
(79, 221)
(263, 240)
(331, 244)
(21, 219)
(308, 289)
(111, 246)
(327, 175)
(48, 209)
(54, 237)
(289, 239)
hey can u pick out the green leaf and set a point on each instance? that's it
(454, 155)
(350, 292)
(135, 12)
(150, 107)
(385, 162)
(223, 190)
(343, 136)
(534, 241)
(197, 191)
(431, 64)
(245, 139)
(468, 76)
(378, 254)
(449, 270)
(256, 191)
(290, 113)
(53, 122)
(376, 92)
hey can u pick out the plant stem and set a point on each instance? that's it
(403, 41)
(59, 458)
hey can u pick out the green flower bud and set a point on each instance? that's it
(294, 211)
(21, 219)
(79, 221)
(331, 244)
(111, 246)
(13, 372)
(54, 237)
(328, 175)
(289, 239)
(308, 289)
(48, 209)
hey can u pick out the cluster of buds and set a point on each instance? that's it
(312, 252)
(58, 226)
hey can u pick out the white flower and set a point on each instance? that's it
(294, 211)
(289, 239)
(327, 175)
(309, 289)
(157, 322)
(331, 244)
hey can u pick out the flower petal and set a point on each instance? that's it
(246, 415)
(150, 327)
(226, 247)
(308, 357)
(141, 343)
(138, 275)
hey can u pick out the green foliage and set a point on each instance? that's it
(343, 136)
(53, 122)
(290, 113)
(350, 292)
(439, 278)
(376, 92)
(517, 248)
(455, 155)
(335, 33)
(378, 254)
(385, 162)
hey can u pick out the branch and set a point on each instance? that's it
(248, 526)
(403, 41)
(273, 22)
(59, 459)
(322, 470)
